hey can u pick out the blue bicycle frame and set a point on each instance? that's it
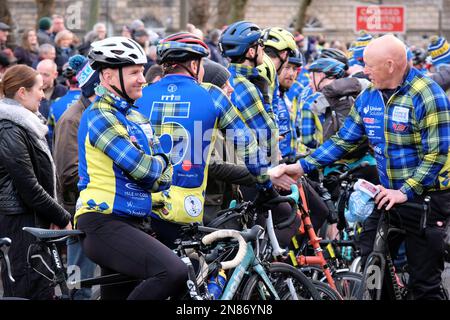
(249, 262)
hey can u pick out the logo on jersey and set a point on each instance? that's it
(400, 114)
(369, 120)
(366, 109)
(187, 165)
(399, 127)
(193, 206)
(132, 186)
(172, 88)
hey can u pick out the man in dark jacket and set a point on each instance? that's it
(66, 162)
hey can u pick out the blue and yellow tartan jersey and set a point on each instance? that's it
(286, 126)
(304, 77)
(119, 160)
(185, 116)
(295, 91)
(310, 124)
(249, 101)
(58, 107)
(409, 135)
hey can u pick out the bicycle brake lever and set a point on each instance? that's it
(5, 250)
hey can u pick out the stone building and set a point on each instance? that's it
(334, 19)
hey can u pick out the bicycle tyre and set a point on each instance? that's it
(277, 272)
(347, 284)
(325, 291)
(372, 291)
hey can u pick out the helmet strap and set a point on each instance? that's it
(122, 92)
(283, 61)
(253, 60)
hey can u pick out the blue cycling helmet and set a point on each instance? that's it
(181, 47)
(238, 38)
(331, 67)
(296, 57)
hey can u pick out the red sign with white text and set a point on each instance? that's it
(380, 19)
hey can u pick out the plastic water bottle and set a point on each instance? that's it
(217, 284)
(361, 204)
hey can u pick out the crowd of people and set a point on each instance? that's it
(105, 133)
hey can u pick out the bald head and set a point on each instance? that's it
(47, 64)
(385, 59)
(48, 70)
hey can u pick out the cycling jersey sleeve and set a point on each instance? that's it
(338, 145)
(111, 137)
(244, 141)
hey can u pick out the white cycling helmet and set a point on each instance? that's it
(116, 52)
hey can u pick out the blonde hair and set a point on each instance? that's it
(61, 35)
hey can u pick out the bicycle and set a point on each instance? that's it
(5, 244)
(379, 268)
(344, 283)
(296, 284)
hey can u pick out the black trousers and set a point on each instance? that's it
(28, 283)
(424, 252)
(118, 245)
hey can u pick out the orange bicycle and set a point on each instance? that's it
(344, 284)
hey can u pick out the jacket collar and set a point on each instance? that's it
(13, 111)
(243, 70)
(119, 103)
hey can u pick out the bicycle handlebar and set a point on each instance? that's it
(294, 159)
(425, 207)
(292, 199)
(349, 172)
(227, 233)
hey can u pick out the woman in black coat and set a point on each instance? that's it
(27, 179)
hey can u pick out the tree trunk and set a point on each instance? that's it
(93, 14)
(45, 8)
(223, 13)
(237, 10)
(199, 13)
(301, 15)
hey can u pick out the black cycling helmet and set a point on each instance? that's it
(335, 54)
(419, 56)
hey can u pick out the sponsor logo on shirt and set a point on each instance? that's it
(399, 127)
(400, 114)
(193, 206)
(369, 120)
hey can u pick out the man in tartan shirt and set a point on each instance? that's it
(242, 43)
(406, 118)
(182, 111)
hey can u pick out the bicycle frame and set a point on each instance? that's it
(314, 240)
(250, 261)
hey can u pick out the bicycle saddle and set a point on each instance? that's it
(51, 234)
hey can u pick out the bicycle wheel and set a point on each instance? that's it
(372, 279)
(347, 284)
(289, 282)
(325, 291)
